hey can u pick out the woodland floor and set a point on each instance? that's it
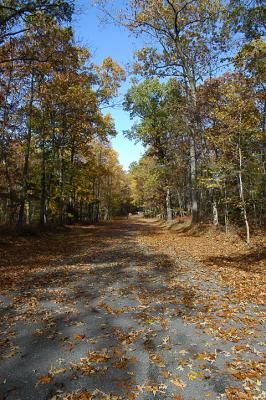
(129, 310)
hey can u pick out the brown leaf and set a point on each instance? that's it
(78, 336)
(45, 379)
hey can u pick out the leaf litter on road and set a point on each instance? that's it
(136, 311)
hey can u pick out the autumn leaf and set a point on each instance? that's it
(44, 380)
(98, 357)
(79, 336)
(192, 375)
(239, 348)
(57, 371)
(178, 382)
(166, 374)
(158, 360)
(122, 364)
(183, 352)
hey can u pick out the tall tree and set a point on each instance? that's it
(13, 13)
(185, 35)
(154, 103)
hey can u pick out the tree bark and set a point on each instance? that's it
(169, 212)
(43, 205)
(226, 216)
(180, 202)
(11, 217)
(61, 187)
(193, 176)
(26, 159)
(43, 200)
(242, 198)
(215, 213)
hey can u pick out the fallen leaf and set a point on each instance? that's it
(192, 375)
(178, 382)
(78, 336)
(44, 380)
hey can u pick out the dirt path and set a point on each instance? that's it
(101, 313)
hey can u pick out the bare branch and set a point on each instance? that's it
(14, 33)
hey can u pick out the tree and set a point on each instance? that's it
(186, 36)
(51, 109)
(154, 103)
(234, 142)
(147, 186)
(13, 13)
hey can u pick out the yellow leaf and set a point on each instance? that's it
(192, 375)
(178, 382)
(58, 371)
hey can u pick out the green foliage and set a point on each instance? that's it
(14, 12)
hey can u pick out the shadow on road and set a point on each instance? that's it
(88, 309)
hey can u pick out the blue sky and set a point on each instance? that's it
(107, 40)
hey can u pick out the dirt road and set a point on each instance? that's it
(98, 312)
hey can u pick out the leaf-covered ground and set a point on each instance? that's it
(127, 310)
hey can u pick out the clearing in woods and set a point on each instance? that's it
(127, 310)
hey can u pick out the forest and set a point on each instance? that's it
(201, 111)
(139, 284)
(57, 165)
(197, 100)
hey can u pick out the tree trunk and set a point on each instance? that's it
(169, 212)
(193, 176)
(26, 159)
(242, 198)
(226, 216)
(106, 214)
(4, 152)
(61, 187)
(43, 205)
(263, 158)
(193, 125)
(61, 167)
(180, 202)
(215, 213)
(43, 201)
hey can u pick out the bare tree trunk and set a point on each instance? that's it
(180, 202)
(49, 175)
(43, 202)
(193, 125)
(71, 199)
(98, 191)
(27, 213)
(61, 167)
(106, 214)
(215, 212)
(168, 206)
(109, 201)
(12, 207)
(242, 198)
(61, 187)
(193, 176)
(226, 216)
(26, 159)
(4, 145)
(43, 206)
(263, 158)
